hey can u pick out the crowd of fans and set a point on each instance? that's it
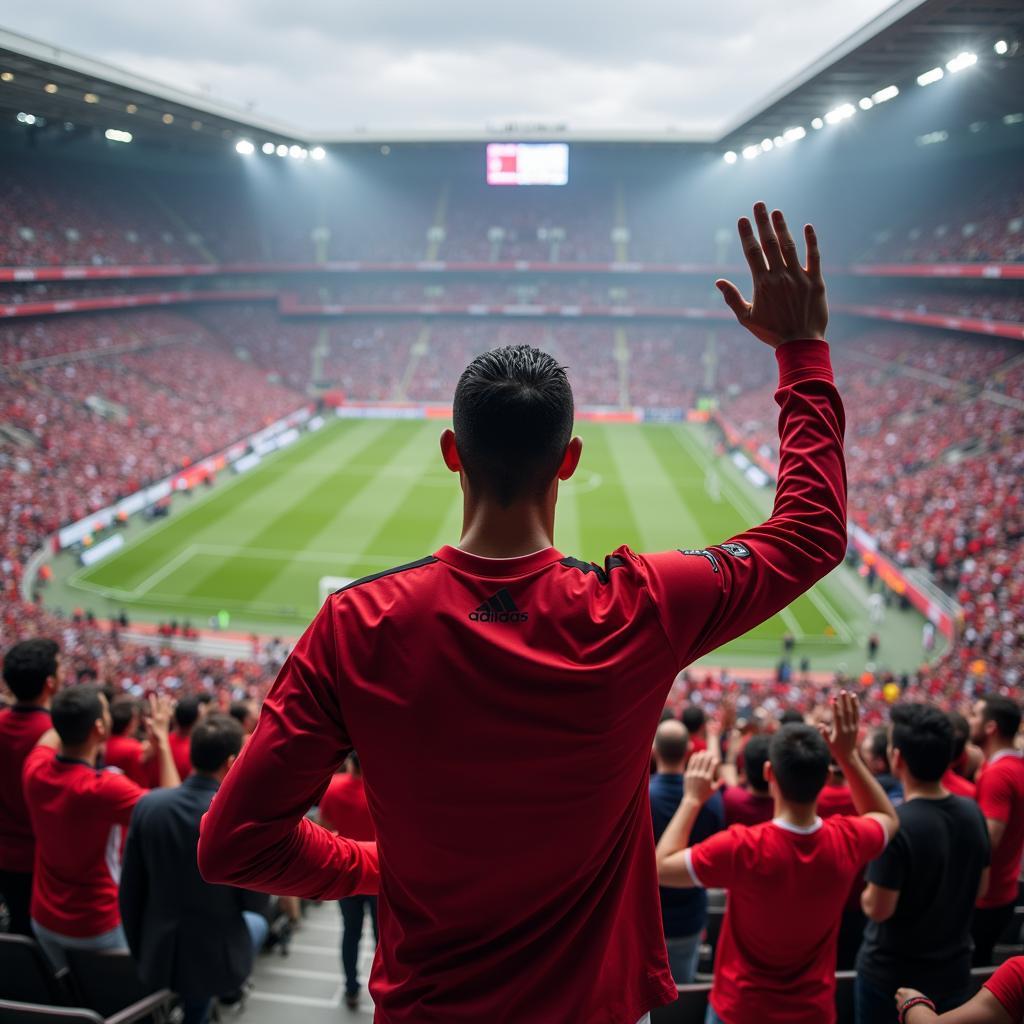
(893, 849)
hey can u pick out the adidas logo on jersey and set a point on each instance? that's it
(499, 608)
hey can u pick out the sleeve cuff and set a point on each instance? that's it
(688, 861)
(803, 360)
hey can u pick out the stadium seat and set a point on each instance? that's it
(844, 996)
(32, 1013)
(107, 981)
(27, 976)
(689, 1008)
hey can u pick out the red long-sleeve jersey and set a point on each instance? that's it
(503, 711)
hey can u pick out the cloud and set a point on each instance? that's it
(339, 65)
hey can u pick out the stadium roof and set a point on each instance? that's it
(73, 93)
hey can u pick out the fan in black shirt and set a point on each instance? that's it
(921, 891)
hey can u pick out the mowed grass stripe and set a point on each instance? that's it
(295, 522)
(662, 496)
(606, 518)
(225, 511)
(361, 523)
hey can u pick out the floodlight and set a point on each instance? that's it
(840, 113)
(24, 118)
(961, 61)
(50, 87)
(282, 150)
(884, 95)
(131, 109)
(750, 152)
(91, 97)
(268, 148)
(318, 153)
(935, 75)
(167, 119)
(116, 135)
(865, 103)
(295, 152)
(767, 145)
(817, 124)
(730, 157)
(779, 141)
(6, 76)
(794, 134)
(1001, 47)
(931, 138)
(244, 147)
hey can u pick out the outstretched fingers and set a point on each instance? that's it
(751, 248)
(813, 256)
(789, 252)
(733, 298)
(769, 240)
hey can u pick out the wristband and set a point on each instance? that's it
(911, 1003)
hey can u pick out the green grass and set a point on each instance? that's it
(359, 496)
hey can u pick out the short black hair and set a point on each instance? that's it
(186, 712)
(240, 710)
(878, 744)
(122, 711)
(755, 754)
(1004, 712)
(693, 718)
(961, 733)
(800, 760)
(216, 738)
(75, 711)
(513, 415)
(924, 737)
(28, 664)
(790, 717)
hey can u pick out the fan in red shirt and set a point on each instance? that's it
(123, 750)
(995, 722)
(788, 879)
(343, 809)
(33, 673)
(503, 699)
(1000, 1001)
(751, 803)
(953, 780)
(78, 814)
(187, 712)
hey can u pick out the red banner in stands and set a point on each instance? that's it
(91, 305)
(971, 324)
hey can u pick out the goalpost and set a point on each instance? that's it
(329, 584)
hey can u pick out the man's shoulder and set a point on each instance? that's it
(386, 574)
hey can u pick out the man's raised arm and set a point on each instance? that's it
(706, 598)
(255, 834)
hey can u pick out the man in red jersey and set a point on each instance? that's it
(33, 673)
(953, 780)
(344, 810)
(78, 813)
(123, 749)
(788, 879)
(995, 722)
(187, 712)
(503, 698)
(751, 803)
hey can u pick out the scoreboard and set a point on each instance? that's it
(527, 163)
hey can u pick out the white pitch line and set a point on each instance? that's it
(168, 568)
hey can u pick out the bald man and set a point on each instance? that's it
(684, 912)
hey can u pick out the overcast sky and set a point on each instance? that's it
(337, 65)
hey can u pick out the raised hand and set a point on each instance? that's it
(789, 298)
(841, 736)
(158, 721)
(699, 783)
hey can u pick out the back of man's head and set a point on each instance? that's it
(800, 759)
(186, 712)
(790, 717)
(755, 755)
(671, 743)
(122, 713)
(75, 712)
(693, 718)
(1004, 711)
(877, 747)
(513, 416)
(923, 735)
(27, 666)
(213, 740)
(961, 733)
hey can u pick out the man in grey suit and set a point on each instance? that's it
(196, 939)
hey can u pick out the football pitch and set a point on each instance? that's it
(359, 496)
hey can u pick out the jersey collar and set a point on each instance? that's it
(498, 568)
(800, 830)
(1005, 752)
